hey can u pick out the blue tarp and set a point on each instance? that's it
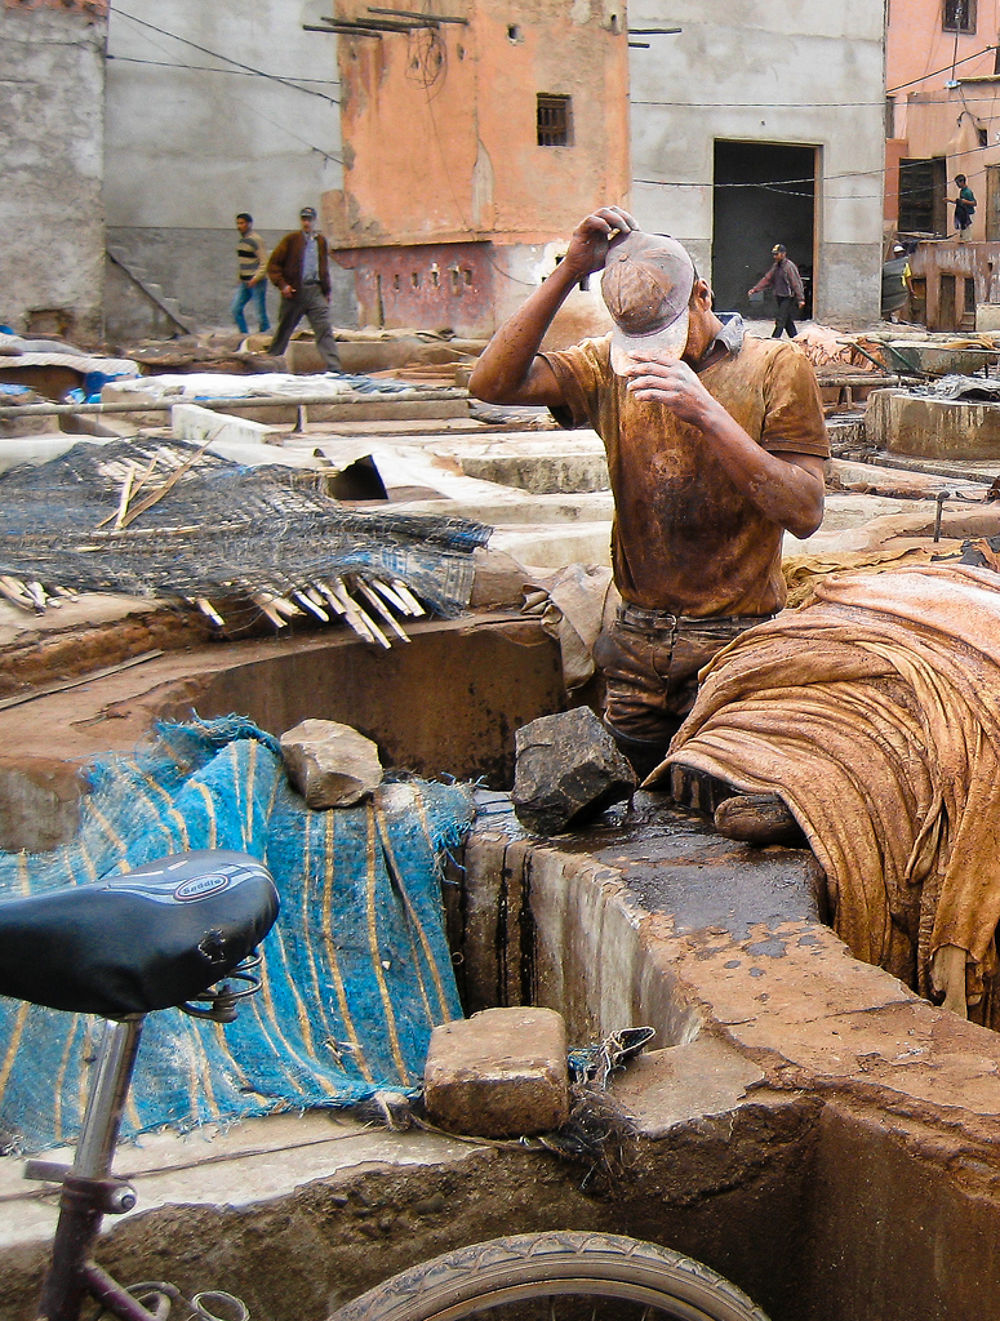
(355, 974)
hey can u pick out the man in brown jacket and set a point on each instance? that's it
(300, 268)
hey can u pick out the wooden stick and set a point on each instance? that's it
(376, 601)
(361, 622)
(15, 598)
(415, 607)
(123, 499)
(311, 606)
(168, 485)
(205, 606)
(266, 608)
(392, 597)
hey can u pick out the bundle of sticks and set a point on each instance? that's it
(339, 598)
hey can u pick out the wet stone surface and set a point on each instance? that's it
(675, 862)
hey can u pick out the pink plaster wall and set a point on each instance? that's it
(439, 128)
(916, 45)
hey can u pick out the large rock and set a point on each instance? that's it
(568, 770)
(501, 1073)
(331, 765)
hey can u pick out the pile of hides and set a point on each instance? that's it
(168, 519)
(829, 348)
(873, 713)
(355, 973)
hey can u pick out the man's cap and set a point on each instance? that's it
(647, 284)
(778, 249)
(307, 213)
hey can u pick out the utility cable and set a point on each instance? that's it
(215, 55)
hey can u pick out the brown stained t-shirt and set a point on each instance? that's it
(684, 538)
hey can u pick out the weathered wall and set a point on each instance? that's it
(810, 75)
(249, 122)
(919, 51)
(442, 123)
(51, 125)
(441, 127)
(947, 122)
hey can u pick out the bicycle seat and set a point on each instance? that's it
(146, 939)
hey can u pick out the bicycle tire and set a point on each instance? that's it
(529, 1267)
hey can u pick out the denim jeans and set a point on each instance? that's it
(243, 295)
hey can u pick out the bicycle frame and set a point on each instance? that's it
(90, 1191)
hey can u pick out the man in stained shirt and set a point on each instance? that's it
(300, 268)
(715, 444)
(785, 282)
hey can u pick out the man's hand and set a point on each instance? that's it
(667, 380)
(287, 291)
(588, 246)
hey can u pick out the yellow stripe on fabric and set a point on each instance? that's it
(154, 813)
(222, 1043)
(23, 873)
(182, 827)
(383, 990)
(15, 1040)
(301, 1013)
(60, 1082)
(206, 1071)
(251, 796)
(307, 1063)
(109, 830)
(412, 926)
(414, 917)
(213, 832)
(87, 861)
(331, 949)
(306, 919)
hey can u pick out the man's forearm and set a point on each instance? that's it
(785, 492)
(502, 372)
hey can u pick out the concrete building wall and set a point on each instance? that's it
(214, 109)
(51, 127)
(810, 75)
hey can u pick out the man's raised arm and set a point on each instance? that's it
(509, 370)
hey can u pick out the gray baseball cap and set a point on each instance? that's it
(647, 284)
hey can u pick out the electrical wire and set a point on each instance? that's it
(207, 68)
(215, 55)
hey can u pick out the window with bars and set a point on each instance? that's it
(554, 120)
(959, 16)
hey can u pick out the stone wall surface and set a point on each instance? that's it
(52, 125)
(213, 110)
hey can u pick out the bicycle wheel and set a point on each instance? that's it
(556, 1276)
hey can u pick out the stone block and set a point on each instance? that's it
(193, 423)
(501, 1073)
(933, 428)
(568, 770)
(330, 764)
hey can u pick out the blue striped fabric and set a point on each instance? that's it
(356, 971)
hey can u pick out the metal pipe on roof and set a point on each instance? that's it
(239, 401)
(410, 13)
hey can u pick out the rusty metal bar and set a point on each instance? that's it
(230, 401)
(410, 13)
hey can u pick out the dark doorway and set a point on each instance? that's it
(764, 194)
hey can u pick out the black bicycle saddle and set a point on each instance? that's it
(147, 939)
